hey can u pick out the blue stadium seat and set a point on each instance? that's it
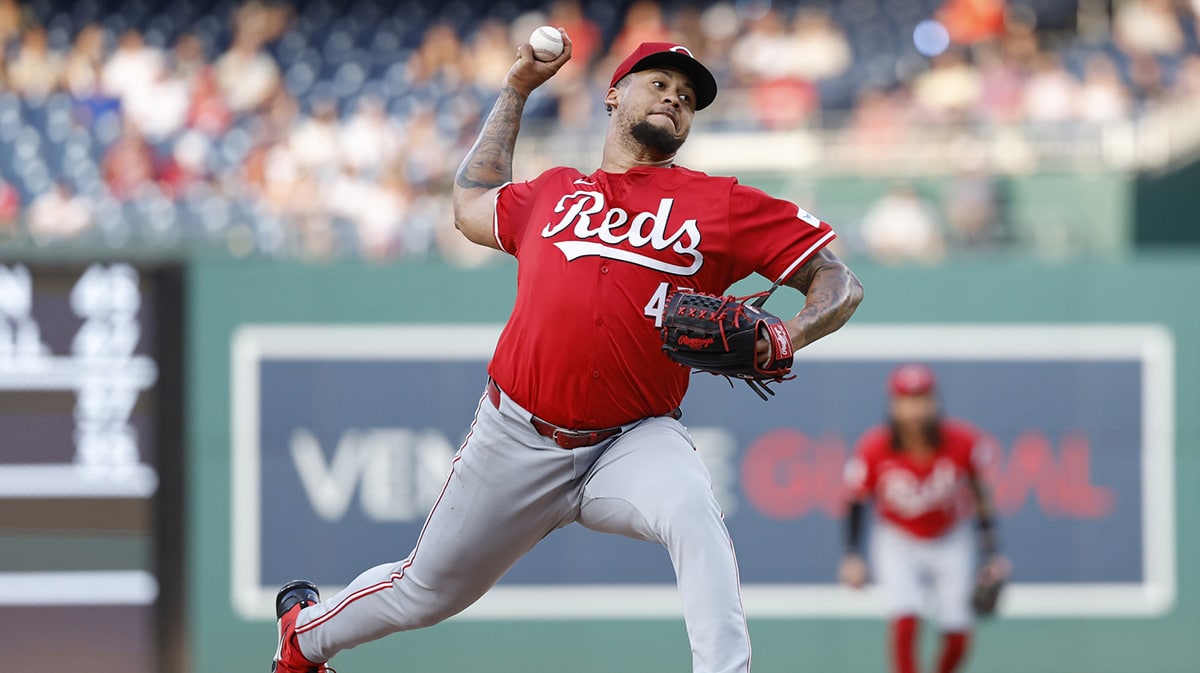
(348, 81)
(157, 219)
(299, 78)
(60, 31)
(289, 47)
(337, 46)
(83, 13)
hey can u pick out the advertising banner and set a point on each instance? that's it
(343, 436)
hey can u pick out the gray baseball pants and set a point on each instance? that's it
(509, 488)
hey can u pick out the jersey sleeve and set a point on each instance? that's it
(515, 203)
(983, 456)
(772, 236)
(979, 451)
(860, 473)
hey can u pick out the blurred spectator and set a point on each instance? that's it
(280, 117)
(128, 164)
(206, 109)
(971, 21)
(36, 71)
(246, 75)
(187, 58)
(817, 47)
(85, 62)
(1187, 81)
(764, 60)
(1151, 27)
(436, 61)
(10, 208)
(369, 141)
(1002, 87)
(252, 173)
(83, 74)
(491, 55)
(160, 108)
(1102, 97)
(10, 20)
(208, 112)
(1146, 78)
(132, 69)
(187, 165)
(643, 23)
(426, 152)
(721, 26)
(784, 102)
(761, 52)
(585, 36)
(59, 214)
(1051, 94)
(877, 121)
(686, 27)
(900, 227)
(314, 142)
(261, 22)
(972, 207)
(1020, 45)
(293, 194)
(376, 210)
(949, 89)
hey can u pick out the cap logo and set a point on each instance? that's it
(680, 49)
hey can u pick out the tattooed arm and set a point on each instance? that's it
(831, 294)
(488, 165)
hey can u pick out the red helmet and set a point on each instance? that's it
(912, 379)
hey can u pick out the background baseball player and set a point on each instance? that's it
(922, 471)
(579, 418)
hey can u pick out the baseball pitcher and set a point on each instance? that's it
(579, 419)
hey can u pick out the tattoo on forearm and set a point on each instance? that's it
(489, 163)
(831, 294)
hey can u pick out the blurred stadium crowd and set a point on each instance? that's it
(324, 129)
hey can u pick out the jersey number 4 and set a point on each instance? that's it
(658, 302)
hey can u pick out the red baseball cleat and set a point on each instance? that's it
(291, 599)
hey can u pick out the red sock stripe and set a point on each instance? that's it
(954, 649)
(904, 641)
(381, 586)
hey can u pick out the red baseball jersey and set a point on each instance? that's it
(925, 499)
(598, 254)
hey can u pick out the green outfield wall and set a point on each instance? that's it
(227, 294)
(1049, 215)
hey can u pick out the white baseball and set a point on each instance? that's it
(547, 43)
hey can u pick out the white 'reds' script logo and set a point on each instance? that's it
(911, 496)
(616, 227)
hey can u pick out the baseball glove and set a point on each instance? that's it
(719, 335)
(985, 596)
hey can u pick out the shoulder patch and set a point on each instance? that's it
(808, 217)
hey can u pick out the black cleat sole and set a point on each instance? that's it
(296, 591)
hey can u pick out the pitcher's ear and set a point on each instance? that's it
(611, 99)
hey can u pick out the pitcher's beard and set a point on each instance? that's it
(655, 137)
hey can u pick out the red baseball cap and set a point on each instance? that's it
(912, 379)
(676, 57)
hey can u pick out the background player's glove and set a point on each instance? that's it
(988, 587)
(719, 335)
